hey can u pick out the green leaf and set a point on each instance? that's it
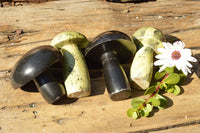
(135, 115)
(161, 85)
(173, 78)
(142, 112)
(170, 88)
(150, 90)
(154, 101)
(169, 70)
(149, 107)
(164, 85)
(182, 78)
(177, 90)
(159, 75)
(156, 84)
(137, 102)
(163, 101)
(145, 111)
(132, 113)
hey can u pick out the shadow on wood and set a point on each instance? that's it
(65, 100)
(171, 39)
(30, 87)
(155, 110)
(196, 65)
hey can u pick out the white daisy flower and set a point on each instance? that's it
(175, 55)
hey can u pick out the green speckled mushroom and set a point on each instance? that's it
(142, 68)
(76, 75)
(148, 39)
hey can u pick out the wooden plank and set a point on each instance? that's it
(186, 129)
(22, 111)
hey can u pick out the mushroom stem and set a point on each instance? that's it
(45, 82)
(76, 76)
(142, 68)
(115, 78)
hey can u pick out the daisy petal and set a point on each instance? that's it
(162, 56)
(178, 65)
(163, 67)
(179, 45)
(161, 50)
(188, 70)
(188, 64)
(183, 44)
(168, 45)
(184, 70)
(159, 62)
(172, 63)
(192, 59)
(186, 52)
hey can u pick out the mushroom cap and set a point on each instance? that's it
(33, 63)
(150, 37)
(108, 41)
(69, 37)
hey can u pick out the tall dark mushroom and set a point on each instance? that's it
(108, 50)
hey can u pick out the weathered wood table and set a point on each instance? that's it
(31, 25)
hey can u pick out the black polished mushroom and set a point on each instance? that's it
(108, 50)
(34, 66)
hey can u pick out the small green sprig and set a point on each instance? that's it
(167, 81)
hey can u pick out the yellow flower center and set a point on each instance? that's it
(176, 55)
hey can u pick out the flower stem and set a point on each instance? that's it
(154, 93)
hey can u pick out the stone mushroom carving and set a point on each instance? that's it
(75, 71)
(34, 66)
(148, 39)
(108, 50)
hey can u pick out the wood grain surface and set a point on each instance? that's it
(25, 27)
